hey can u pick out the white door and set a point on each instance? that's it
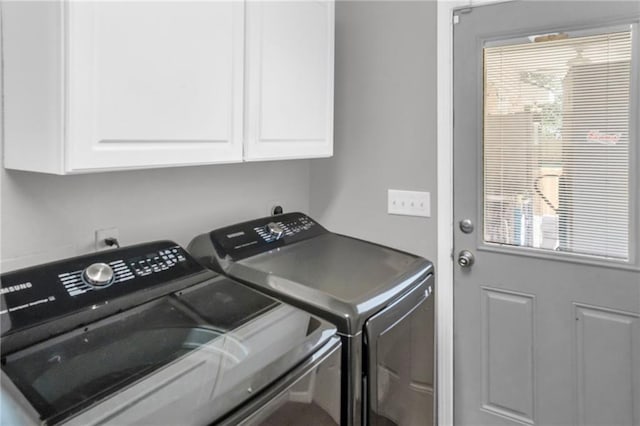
(546, 201)
(289, 94)
(154, 83)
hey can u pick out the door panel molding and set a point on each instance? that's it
(508, 376)
(583, 259)
(607, 343)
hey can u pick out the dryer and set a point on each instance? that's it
(380, 300)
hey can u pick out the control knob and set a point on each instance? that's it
(275, 230)
(98, 275)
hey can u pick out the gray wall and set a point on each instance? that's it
(385, 124)
(46, 217)
(385, 132)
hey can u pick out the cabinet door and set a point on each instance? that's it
(290, 53)
(153, 84)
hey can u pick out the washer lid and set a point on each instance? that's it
(201, 348)
(340, 278)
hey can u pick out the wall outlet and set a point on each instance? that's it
(273, 208)
(409, 203)
(102, 234)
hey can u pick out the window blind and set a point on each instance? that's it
(556, 144)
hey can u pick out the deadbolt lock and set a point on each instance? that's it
(466, 226)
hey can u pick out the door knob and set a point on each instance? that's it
(465, 258)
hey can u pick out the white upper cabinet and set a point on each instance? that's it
(102, 85)
(154, 83)
(290, 55)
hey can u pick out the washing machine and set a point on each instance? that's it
(146, 335)
(381, 300)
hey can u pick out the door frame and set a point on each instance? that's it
(445, 255)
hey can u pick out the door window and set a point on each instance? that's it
(556, 143)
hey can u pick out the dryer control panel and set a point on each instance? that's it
(43, 293)
(256, 236)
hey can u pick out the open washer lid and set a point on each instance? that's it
(189, 354)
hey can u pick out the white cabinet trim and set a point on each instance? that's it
(87, 150)
(257, 146)
(53, 122)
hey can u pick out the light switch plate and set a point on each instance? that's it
(409, 203)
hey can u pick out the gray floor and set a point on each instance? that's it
(296, 413)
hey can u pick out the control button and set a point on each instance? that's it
(275, 230)
(98, 275)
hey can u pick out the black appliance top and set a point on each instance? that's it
(291, 257)
(249, 238)
(171, 315)
(55, 297)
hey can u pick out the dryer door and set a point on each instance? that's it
(399, 360)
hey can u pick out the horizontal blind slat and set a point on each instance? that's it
(556, 144)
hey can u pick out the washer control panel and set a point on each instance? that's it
(157, 262)
(249, 238)
(99, 276)
(40, 293)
